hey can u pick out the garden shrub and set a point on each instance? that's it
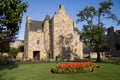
(74, 67)
(6, 60)
(3, 58)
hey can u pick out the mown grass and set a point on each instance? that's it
(107, 71)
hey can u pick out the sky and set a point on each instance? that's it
(38, 9)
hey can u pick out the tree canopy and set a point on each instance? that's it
(21, 48)
(93, 33)
(11, 12)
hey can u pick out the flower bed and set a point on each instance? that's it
(74, 67)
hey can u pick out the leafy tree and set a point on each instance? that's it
(21, 48)
(93, 33)
(13, 53)
(4, 47)
(11, 12)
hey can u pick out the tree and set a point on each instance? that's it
(93, 33)
(4, 47)
(13, 53)
(21, 48)
(11, 12)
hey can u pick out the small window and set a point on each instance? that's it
(38, 42)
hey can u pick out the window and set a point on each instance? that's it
(38, 42)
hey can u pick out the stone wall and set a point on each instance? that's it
(60, 25)
(63, 25)
(112, 39)
(26, 36)
(16, 43)
(34, 41)
(47, 35)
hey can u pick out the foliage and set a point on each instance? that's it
(75, 67)
(13, 53)
(4, 46)
(3, 59)
(93, 33)
(21, 48)
(11, 12)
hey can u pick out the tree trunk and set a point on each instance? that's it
(98, 57)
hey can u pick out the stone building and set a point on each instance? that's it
(16, 43)
(53, 37)
(113, 38)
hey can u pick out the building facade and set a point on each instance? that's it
(54, 37)
(16, 43)
(113, 39)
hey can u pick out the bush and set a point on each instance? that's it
(75, 67)
(13, 53)
(3, 59)
(6, 60)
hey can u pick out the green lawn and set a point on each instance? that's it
(107, 71)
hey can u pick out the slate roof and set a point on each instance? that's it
(34, 25)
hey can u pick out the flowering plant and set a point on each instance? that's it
(74, 67)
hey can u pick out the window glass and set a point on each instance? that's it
(38, 42)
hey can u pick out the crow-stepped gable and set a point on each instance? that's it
(56, 37)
